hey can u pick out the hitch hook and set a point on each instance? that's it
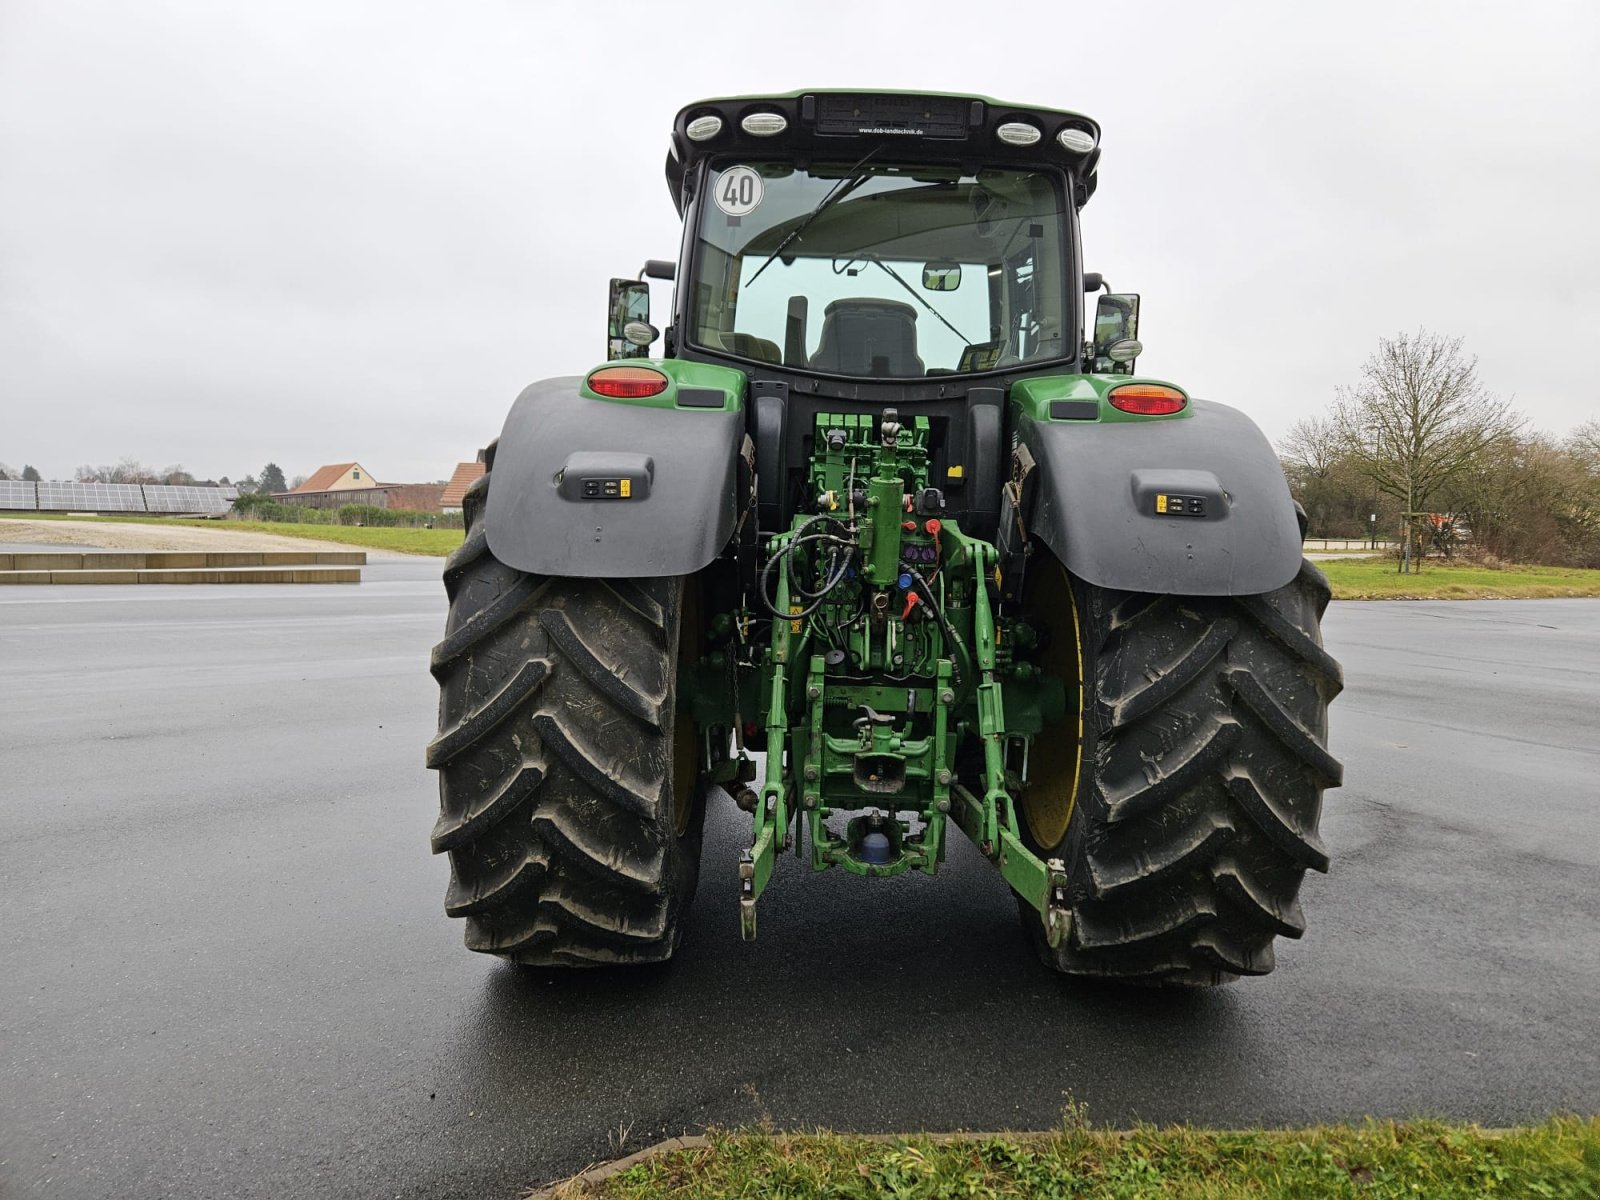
(1057, 913)
(747, 896)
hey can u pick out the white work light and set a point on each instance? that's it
(703, 129)
(1018, 133)
(764, 124)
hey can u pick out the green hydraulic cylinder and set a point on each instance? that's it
(885, 505)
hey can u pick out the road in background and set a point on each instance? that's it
(228, 972)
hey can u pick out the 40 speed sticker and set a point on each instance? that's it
(738, 191)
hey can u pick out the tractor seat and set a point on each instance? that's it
(868, 337)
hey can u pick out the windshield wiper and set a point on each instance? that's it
(848, 182)
(895, 275)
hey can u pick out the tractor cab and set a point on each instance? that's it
(879, 271)
(878, 238)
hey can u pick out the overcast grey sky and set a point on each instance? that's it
(312, 232)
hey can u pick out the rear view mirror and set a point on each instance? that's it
(941, 276)
(1116, 332)
(630, 305)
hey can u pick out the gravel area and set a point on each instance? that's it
(109, 535)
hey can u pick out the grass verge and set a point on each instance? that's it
(1558, 1160)
(398, 539)
(438, 542)
(1377, 579)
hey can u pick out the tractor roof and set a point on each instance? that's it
(897, 126)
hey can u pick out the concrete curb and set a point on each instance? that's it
(179, 566)
(154, 560)
(189, 575)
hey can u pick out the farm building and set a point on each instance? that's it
(339, 484)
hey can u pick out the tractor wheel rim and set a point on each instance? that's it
(1057, 755)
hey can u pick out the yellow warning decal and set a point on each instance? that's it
(627, 488)
(794, 626)
(1161, 501)
(956, 472)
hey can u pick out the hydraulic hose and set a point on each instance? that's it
(954, 643)
(835, 574)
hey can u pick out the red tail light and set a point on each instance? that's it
(1147, 399)
(627, 383)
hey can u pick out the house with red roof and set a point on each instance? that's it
(336, 477)
(465, 475)
(343, 483)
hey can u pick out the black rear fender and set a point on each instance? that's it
(597, 488)
(1105, 499)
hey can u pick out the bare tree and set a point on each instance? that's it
(1418, 419)
(131, 470)
(1337, 498)
(1313, 444)
(6, 472)
(128, 470)
(1511, 494)
(176, 476)
(1584, 442)
(1583, 502)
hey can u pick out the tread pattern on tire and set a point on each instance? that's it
(554, 758)
(1205, 761)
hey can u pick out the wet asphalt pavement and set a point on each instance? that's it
(227, 972)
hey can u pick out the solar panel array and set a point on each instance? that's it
(91, 497)
(114, 497)
(160, 498)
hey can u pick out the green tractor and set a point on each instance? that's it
(879, 544)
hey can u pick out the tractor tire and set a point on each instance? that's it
(1196, 781)
(571, 801)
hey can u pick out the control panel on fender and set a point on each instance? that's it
(1169, 505)
(606, 475)
(1195, 495)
